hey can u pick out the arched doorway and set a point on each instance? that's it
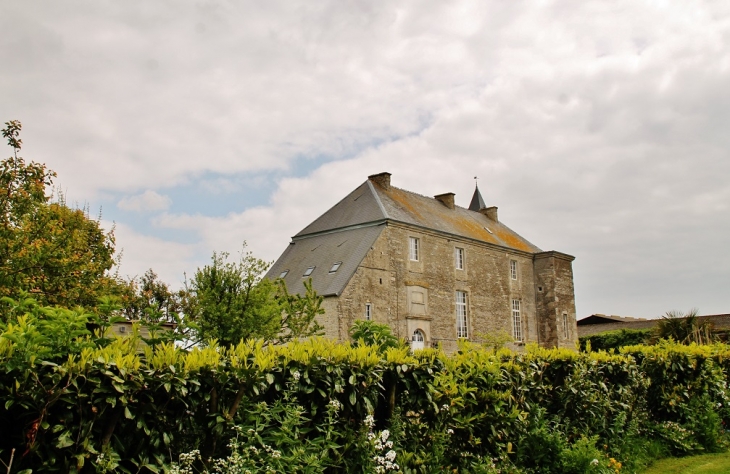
(417, 340)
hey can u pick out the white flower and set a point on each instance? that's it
(384, 435)
(390, 455)
(594, 462)
(450, 431)
(445, 407)
(296, 375)
(369, 421)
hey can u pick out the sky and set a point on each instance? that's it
(599, 129)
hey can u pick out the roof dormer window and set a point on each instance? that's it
(308, 271)
(335, 267)
(283, 274)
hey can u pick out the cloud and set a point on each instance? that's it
(145, 202)
(170, 260)
(599, 129)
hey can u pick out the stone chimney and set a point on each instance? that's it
(490, 212)
(381, 179)
(447, 199)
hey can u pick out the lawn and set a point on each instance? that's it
(705, 464)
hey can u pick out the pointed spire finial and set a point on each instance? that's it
(477, 202)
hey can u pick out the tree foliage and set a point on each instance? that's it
(56, 253)
(152, 300)
(231, 301)
(374, 334)
(685, 328)
(615, 339)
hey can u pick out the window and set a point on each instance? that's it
(413, 248)
(513, 269)
(335, 267)
(459, 258)
(462, 330)
(368, 312)
(283, 274)
(565, 325)
(308, 271)
(417, 340)
(516, 321)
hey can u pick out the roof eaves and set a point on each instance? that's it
(463, 237)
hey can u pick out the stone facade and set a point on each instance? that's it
(504, 286)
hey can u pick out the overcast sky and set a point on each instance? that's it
(599, 129)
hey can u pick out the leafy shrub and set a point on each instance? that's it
(608, 340)
(75, 401)
(541, 448)
(583, 457)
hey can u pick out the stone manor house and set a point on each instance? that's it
(432, 271)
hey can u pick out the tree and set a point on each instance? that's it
(685, 328)
(153, 301)
(232, 301)
(57, 254)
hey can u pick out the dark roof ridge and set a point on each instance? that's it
(377, 199)
(344, 228)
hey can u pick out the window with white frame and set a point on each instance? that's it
(513, 269)
(459, 258)
(417, 340)
(368, 312)
(462, 324)
(565, 325)
(413, 248)
(516, 321)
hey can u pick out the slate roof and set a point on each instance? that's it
(476, 201)
(322, 251)
(348, 230)
(411, 208)
(606, 319)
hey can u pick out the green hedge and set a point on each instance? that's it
(615, 339)
(107, 407)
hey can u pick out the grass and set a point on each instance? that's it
(718, 463)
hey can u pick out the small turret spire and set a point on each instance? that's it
(477, 202)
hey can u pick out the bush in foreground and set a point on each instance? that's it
(73, 401)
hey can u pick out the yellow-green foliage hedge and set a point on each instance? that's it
(65, 413)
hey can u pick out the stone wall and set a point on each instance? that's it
(720, 322)
(409, 295)
(555, 296)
